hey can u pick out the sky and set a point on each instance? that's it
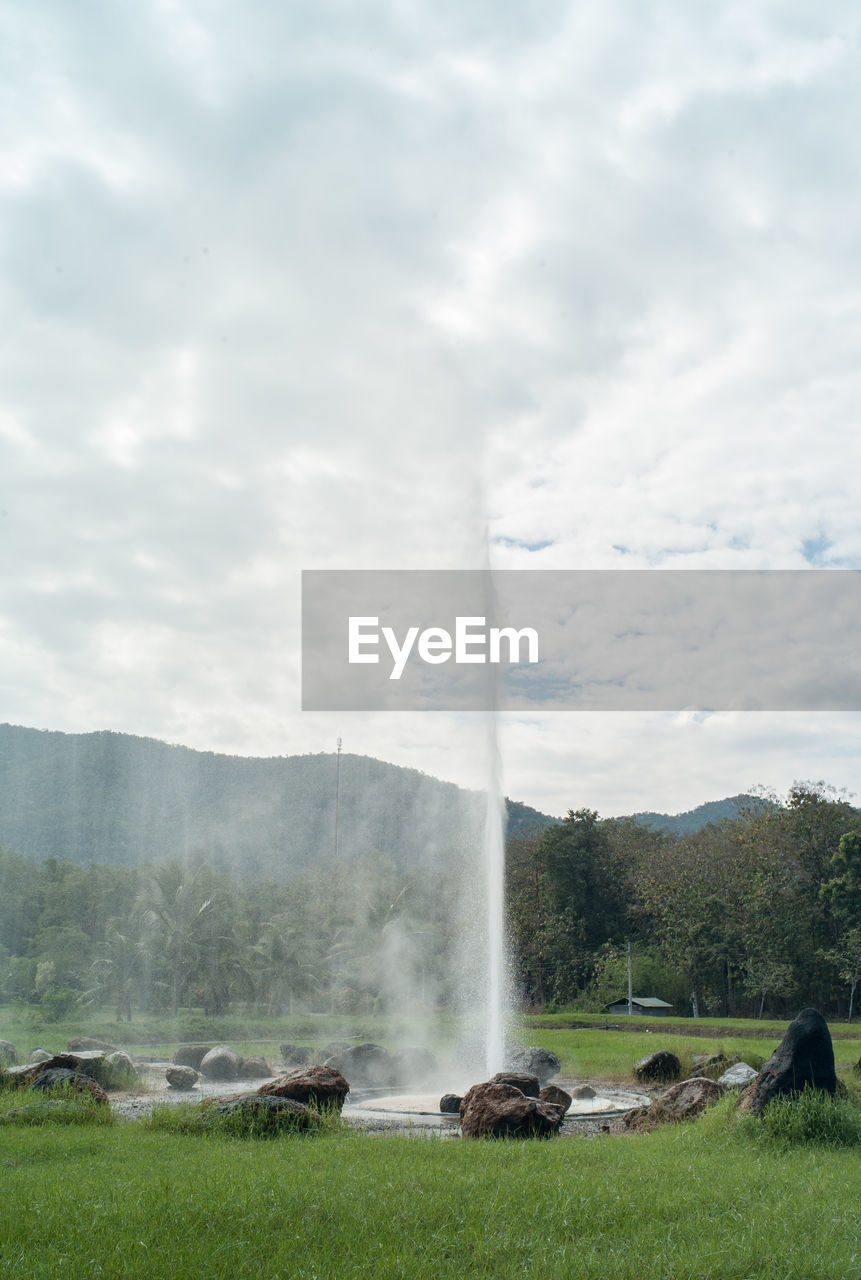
(410, 285)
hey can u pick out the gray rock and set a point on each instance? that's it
(737, 1076)
(79, 1043)
(41, 1055)
(183, 1078)
(266, 1114)
(255, 1069)
(221, 1063)
(296, 1055)
(60, 1078)
(366, 1066)
(534, 1061)
(190, 1055)
(583, 1091)
(8, 1054)
(449, 1103)
(120, 1071)
(414, 1066)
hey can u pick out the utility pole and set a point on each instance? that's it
(337, 799)
(630, 990)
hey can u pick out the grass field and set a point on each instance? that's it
(709, 1200)
(702, 1201)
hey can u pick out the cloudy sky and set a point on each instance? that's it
(418, 285)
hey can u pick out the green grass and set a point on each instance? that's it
(690, 1202)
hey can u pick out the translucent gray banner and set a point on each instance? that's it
(629, 640)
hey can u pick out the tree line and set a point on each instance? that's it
(761, 913)
(752, 915)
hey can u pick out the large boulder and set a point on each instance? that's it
(501, 1111)
(681, 1101)
(254, 1069)
(183, 1078)
(8, 1054)
(804, 1059)
(738, 1076)
(367, 1066)
(61, 1079)
(221, 1063)
(321, 1086)
(190, 1055)
(659, 1067)
(77, 1043)
(534, 1061)
(296, 1055)
(527, 1084)
(265, 1114)
(414, 1066)
(120, 1071)
(559, 1098)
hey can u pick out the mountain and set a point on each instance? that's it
(682, 824)
(115, 798)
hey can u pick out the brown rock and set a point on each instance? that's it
(323, 1086)
(681, 1101)
(190, 1055)
(221, 1063)
(559, 1098)
(449, 1104)
(583, 1091)
(660, 1066)
(521, 1080)
(254, 1069)
(502, 1111)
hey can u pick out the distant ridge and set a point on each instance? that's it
(123, 800)
(683, 824)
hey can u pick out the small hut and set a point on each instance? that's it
(645, 1006)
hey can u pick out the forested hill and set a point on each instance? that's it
(683, 824)
(118, 799)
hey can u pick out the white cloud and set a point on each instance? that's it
(311, 286)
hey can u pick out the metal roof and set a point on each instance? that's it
(645, 1002)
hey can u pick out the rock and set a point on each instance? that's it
(335, 1046)
(501, 1111)
(8, 1054)
(190, 1055)
(77, 1043)
(705, 1063)
(737, 1076)
(365, 1066)
(220, 1063)
(414, 1066)
(527, 1084)
(181, 1077)
(535, 1061)
(121, 1072)
(660, 1066)
(449, 1104)
(254, 1069)
(40, 1055)
(268, 1113)
(111, 1071)
(320, 1086)
(681, 1101)
(583, 1091)
(804, 1059)
(55, 1078)
(296, 1055)
(559, 1098)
